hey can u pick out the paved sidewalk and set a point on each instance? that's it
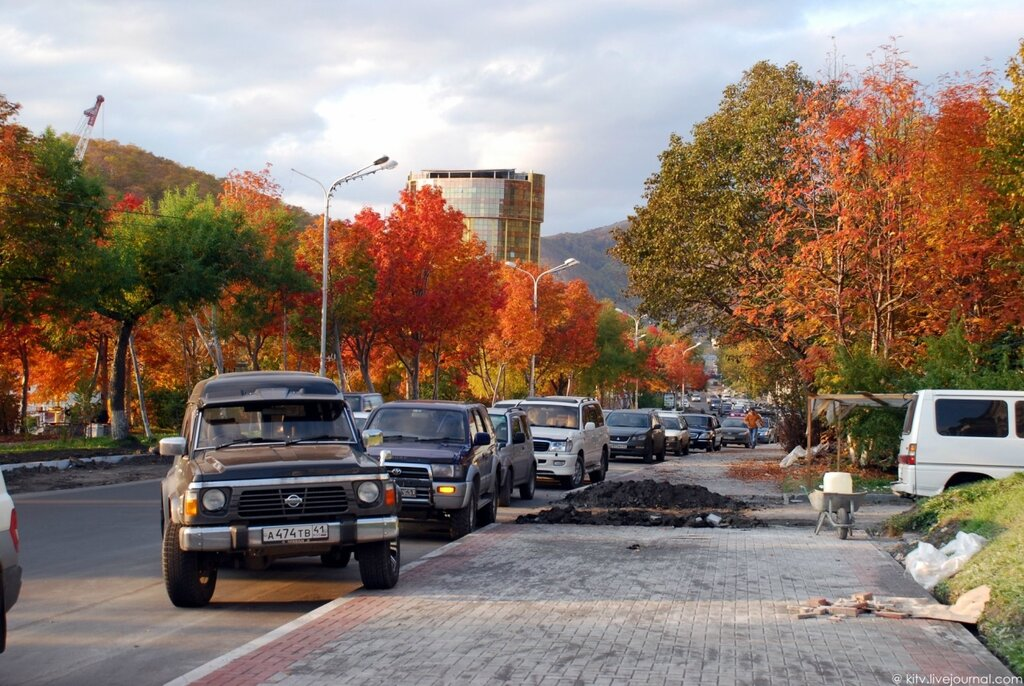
(553, 604)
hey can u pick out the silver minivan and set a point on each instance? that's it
(953, 437)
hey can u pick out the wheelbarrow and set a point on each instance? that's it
(837, 509)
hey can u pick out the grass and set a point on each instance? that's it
(809, 476)
(995, 510)
(21, 445)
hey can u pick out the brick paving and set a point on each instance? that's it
(559, 604)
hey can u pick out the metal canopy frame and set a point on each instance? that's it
(837, 405)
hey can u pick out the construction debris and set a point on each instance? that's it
(967, 609)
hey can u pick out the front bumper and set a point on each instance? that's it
(555, 463)
(241, 537)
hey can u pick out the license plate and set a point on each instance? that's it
(614, 444)
(408, 492)
(291, 534)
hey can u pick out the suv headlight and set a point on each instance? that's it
(368, 492)
(214, 499)
(562, 446)
(447, 471)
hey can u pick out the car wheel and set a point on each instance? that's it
(489, 513)
(505, 489)
(649, 452)
(686, 448)
(190, 577)
(661, 453)
(464, 519)
(576, 480)
(598, 474)
(336, 558)
(379, 563)
(719, 447)
(527, 490)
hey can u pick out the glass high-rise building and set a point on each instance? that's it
(503, 207)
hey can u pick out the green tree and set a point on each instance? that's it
(179, 255)
(615, 361)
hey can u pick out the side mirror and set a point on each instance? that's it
(372, 437)
(385, 455)
(518, 438)
(482, 438)
(589, 426)
(657, 426)
(174, 445)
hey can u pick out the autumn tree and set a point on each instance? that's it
(615, 361)
(567, 313)
(423, 261)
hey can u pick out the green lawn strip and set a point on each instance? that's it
(103, 444)
(995, 510)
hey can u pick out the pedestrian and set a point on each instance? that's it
(753, 421)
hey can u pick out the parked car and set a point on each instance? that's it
(516, 463)
(704, 431)
(362, 404)
(636, 432)
(269, 465)
(734, 431)
(768, 433)
(10, 568)
(444, 457)
(677, 433)
(570, 438)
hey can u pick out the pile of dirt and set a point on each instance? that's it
(650, 494)
(82, 473)
(646, 503)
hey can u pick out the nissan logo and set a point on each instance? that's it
(293, 501)
(396, 472)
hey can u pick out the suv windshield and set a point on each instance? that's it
(426, 424)
(224, 425)
(698, 420)
(670, 422)
(556, 416)
(628, 419)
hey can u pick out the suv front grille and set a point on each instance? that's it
(541, 446)
(272, 502)
(412, 476)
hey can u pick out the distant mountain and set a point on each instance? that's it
(130, 169)
(605, 274)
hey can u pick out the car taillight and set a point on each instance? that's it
(910, 457)
(14, 530)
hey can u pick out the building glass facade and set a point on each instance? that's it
(503, 207)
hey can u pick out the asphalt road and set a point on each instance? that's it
(93, 608)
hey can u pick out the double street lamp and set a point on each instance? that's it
(379, 164)
(570, 262)
(636, 344)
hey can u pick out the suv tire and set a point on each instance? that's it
(649, 452)
(505, 489)
(489, 513)
(576, 480)
(379, 562)
(464, 520)
(598, 474)
(190, 577)
(527, 490)
(661, 453)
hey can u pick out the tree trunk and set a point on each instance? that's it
(138, 386)
(119, 427)
(23, 355)
(284, 337)
(210, 339)
(437, 374)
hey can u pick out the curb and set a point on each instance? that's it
(65, 463)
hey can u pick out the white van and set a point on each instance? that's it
(953, 437)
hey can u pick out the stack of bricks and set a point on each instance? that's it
(856, 604)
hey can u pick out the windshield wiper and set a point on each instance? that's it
(240, 441)
(324, 437)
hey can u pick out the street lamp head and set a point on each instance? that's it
(390, 164)
(571, 262)
(380, 160)
(620, 310)
(509, 263)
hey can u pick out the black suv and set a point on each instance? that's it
(636, 432)
(705, 431)
(269, 465)
(444, 457)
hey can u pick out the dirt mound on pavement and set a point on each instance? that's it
(646, 503)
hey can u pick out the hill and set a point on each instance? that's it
(130, 169)
(605, 275)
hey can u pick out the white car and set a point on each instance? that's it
(10, 569)
(570, 438)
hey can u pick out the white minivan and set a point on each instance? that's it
(953, 437)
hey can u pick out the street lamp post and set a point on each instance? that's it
(570, 262)
(636, 345)
(381, 163)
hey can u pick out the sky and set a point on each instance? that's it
(586, 92)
